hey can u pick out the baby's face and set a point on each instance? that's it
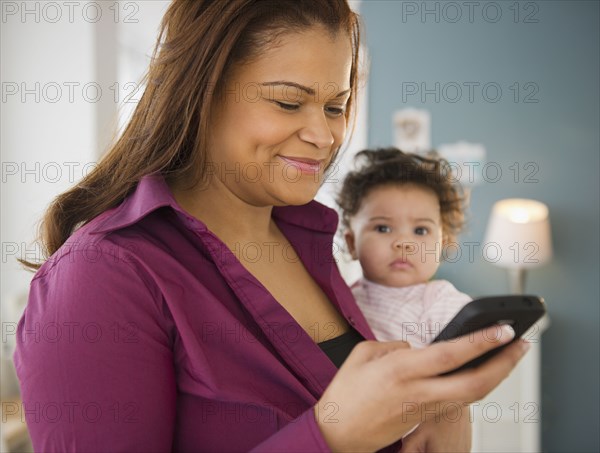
(397, 235)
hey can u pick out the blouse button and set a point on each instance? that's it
(352, 321)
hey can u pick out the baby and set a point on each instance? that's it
(399, 211)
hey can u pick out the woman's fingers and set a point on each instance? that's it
(439, 358)
(474, 384)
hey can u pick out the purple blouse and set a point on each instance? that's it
(145, 333)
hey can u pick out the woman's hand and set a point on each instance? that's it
(385, 388)
(449, 431)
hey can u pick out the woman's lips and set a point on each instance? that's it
(304, 165)
(400, 264)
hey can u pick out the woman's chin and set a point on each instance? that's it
(296, 200)
(298, 195)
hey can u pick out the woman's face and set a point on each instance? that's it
(281, 119)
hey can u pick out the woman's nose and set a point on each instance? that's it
(318, 131)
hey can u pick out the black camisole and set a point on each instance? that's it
(339, 348)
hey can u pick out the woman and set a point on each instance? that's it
(191, 301)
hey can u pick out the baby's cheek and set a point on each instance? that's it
(372, 266)
(371, 255)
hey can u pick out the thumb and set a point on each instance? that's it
(370, 350)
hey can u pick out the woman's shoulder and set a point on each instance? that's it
(147, 216)
(100, 277)
(93, 248)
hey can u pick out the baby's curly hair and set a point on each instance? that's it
(390, 166)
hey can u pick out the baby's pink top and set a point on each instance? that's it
(416, 314)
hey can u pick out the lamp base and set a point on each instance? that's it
(516, 279)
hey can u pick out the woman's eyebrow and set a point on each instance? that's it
(307, 90)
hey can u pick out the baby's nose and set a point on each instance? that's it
(407, 246)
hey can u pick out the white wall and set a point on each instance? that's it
(42, 131)
(48, 133)
(61, 87)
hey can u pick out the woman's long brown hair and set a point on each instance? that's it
(198, 43)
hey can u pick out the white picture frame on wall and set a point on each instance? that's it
(412, 130)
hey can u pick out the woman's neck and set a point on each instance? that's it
(232, 219)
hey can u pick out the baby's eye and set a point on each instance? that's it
(286, 106)
(383, 229)
(421, 231)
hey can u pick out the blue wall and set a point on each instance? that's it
(554, 46)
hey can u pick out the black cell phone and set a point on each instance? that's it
(521, 312)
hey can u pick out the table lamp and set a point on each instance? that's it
(519, 231)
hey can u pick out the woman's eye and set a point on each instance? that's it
(383, 229)
(421, 231)
(286, 106)
(336, 111)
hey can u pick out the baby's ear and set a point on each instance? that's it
(447, 240)
(349, 237)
